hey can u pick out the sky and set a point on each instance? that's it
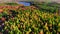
(30, 0)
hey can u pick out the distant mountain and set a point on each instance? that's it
(7, 1)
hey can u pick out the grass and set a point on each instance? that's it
(12, 4)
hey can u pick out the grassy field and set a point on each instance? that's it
(29, 20)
